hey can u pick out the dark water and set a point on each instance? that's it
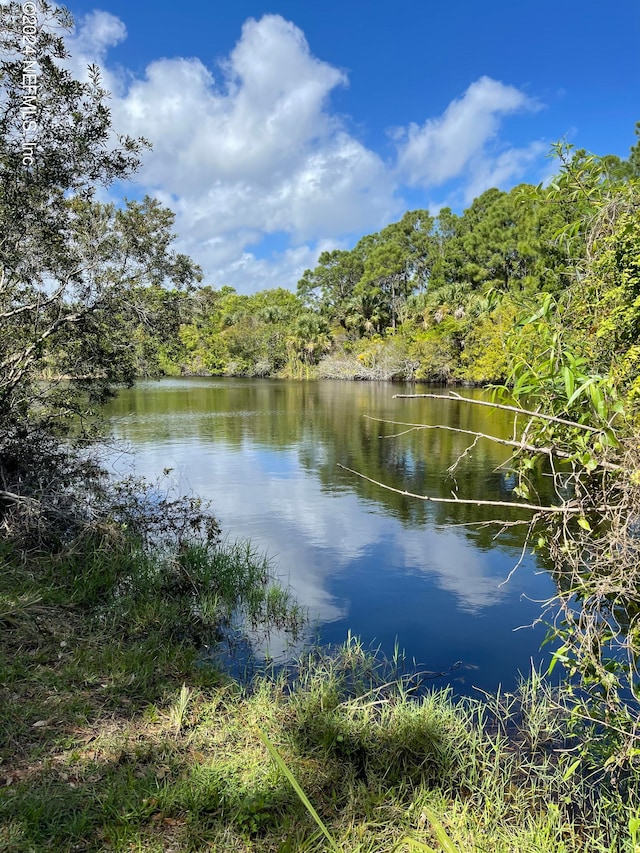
(391, 569)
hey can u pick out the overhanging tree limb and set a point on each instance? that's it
(565, 509)
(452, 396)
(518, 445)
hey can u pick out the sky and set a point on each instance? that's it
(281, 129)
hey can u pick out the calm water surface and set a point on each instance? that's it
(385, 566)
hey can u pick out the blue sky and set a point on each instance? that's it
(285, 129)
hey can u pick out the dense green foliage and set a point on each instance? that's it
(72, 270)
(425, 298)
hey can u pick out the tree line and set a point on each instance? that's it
(433, 298)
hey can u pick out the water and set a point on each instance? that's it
(394, 570)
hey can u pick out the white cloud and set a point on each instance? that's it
(445, 147)
(257, 148)
(254, 152)
(99, 31)
(329, 534)
(503, 169)
(248, 273)
(89, 44)
(253, 149)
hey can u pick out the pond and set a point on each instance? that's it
(398, 572)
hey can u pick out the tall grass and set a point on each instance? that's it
(116, 736)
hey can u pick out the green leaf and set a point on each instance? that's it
(558, 655)
(571, 769)
(609, 438)
(584, 524)
(446, 843)
(543, 311)
(580, 390)
(569, 380)
(597, 398)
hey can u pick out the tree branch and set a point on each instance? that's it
(519, 445)
(13, 498)
(37, 305)
(458, 398)
(551, 510)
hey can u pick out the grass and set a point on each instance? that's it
(116, 738)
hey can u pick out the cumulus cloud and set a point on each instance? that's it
(279, 269)
(250, 152)
(252, 148)
(257, 148)
(502, 170)
(89, 44)
(443, 148)
(99, 31)
(329, 534)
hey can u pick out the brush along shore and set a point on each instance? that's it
(116, 737)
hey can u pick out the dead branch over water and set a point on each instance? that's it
(563, 510)
(452, 396)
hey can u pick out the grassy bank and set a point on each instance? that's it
(116, 737)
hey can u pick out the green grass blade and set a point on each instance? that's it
(445, 842)
(415, 845)
(273, 752)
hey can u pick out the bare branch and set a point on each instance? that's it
(525, 545)
(551, 510)
(519, 445)
(26, 356)
(526, 412)
(13, 498)
(37, 305)
(451, 469)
